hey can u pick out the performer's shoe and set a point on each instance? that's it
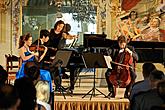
(69, 91)
(60, 89)
(126, 95)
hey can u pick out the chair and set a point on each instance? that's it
(12, 66)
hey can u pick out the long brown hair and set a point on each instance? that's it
(24, 38)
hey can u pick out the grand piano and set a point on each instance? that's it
(147, 51)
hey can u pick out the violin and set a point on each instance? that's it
(37, 48)
(40, 48)
(120, 76)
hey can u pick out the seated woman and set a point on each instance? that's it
(43, 94)
(27, 56)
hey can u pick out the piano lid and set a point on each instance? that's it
(147, 51)
(94, 41)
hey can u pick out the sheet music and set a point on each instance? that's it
(108, 60)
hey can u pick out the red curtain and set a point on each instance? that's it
(128, 4)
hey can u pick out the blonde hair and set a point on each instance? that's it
(43, 91)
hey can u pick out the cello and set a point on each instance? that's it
(120, 76)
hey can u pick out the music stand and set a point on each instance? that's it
(94, 60)
(61, 60)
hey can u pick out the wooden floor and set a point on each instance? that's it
(81, 91)
(97, 102)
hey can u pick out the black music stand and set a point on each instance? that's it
(94, 60)
(61, 60)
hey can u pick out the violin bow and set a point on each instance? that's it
(38, 43)
(120, 64)
(38, 37)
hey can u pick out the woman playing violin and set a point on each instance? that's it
(114, 52)
(58, 36)
(27, 56)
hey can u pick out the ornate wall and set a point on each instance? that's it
(10, 18)
(109, 12)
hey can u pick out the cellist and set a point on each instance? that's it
(114, 51)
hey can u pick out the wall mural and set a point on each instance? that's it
(16, 21)
(144, 24)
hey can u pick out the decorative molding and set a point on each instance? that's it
(95, 2)
(4, 5)
(16, 20)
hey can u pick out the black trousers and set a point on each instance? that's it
(73, 75)
(110, 85)
(74, 72)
